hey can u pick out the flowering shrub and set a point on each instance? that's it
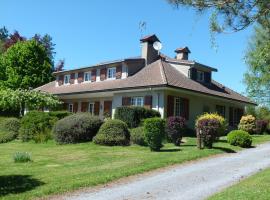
(261, 126)
(175, 129)
(248, 124)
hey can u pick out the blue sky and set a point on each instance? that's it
(90, 31)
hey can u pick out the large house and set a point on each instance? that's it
(173, 86)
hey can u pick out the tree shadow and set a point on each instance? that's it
(222, 141)
(14, 184)
(169, 150)
(227, 150)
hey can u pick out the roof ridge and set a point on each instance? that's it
(163, 74)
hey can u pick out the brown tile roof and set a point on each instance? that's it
(159, 73)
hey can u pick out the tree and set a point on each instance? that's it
(25, 64)
(230, 15)
(13, 39)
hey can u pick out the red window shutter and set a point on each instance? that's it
(84, 107)
(118, 72)
(103, 74)
(75, 107)
(80, 77)
(93, 75)
(96, 108)
(126, 101)
(72, 78)
(185, 108)
(231, 116)
(60, 80)
(170, 105)
(148, 101)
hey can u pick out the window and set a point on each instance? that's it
(87, 76)
(91, 108)
(220, 110)
(66, 79)
(200, 76)
(178, 106)
(70, 107)
(137, 101)
(111, 73)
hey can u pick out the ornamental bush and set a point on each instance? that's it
(248, 124)
(113, 132)
(222, 121)
(11, 124)
(36, 126)
(154, 129)
(60, 114)
(21, 157)
(7, 136)
(261, 126)
(133, 115)
(80, 127)
(137, 136)
(175, 128)
(239, 138)
(207, 131)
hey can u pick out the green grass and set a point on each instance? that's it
(60, 168)
(255, 187)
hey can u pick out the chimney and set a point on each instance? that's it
(182, 53)
(148, 52)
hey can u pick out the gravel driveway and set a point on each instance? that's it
(194, 180)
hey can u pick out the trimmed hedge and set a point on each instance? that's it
(137, 136)
(60, 114)
(133, 115)
(36, 126)
(80, 127)
(239, 138)
(113, 132)
(175, 128)
(154, 129)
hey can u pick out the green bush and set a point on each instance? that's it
(137, 136)
(7, 136)
(80, 127)
(239, 138)
(113, 132)
(248, 124)
(36, 126)
(11, 124)
(154, 129)
(60, 114)
(133, 115)
(20, 157)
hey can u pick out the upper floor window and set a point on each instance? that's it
(200, 76)
(111, 72)
(220, 110)
(137, 101)
(87, 76)
(66, 79)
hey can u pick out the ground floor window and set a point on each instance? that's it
(91, 108)
(178, 106)
(70, 107)
(137, 101)
(235, 116)
(221, 110)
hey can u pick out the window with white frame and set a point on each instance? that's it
(87, 76)
(66, 79)
(70, 107)
(91, 108)
(178, 106)
(200, 76)
(111, 73)
(137, 101)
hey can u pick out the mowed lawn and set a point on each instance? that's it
(255, 187)
(60, 168)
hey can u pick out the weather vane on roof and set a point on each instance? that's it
(142, 27)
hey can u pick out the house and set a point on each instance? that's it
(173, 86)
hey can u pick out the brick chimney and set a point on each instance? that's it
(182, 53)
(148, 52)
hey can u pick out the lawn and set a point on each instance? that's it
(60, 168)
(255, 187)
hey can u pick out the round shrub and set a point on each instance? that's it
(80, 127)
(7, 136)
(261, 126)
(175, 128)
(60, 114)
(11, 124)
(207, 131)
(36, 126)
(239, 138)
(248, 124)
(154, 129)
(137, 136)
(113, 132)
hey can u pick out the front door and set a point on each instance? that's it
(107, 109)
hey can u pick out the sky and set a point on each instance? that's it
(87, 32)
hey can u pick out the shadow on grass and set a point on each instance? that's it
(227, 150)
(169, 150)
(15, 184)
(222, 141)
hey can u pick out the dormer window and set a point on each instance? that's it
(200, 76)
(111, 72)
(66, 79)
(87, 76)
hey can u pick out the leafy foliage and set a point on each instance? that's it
(154, 129)
(133, 115)
(113, 132)
(60, 114)
(261, 126)
(248, 124)
(175, 128)
(21, 157)
(80, 127)
(9, 129)
(239, 138)
(137, 136)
